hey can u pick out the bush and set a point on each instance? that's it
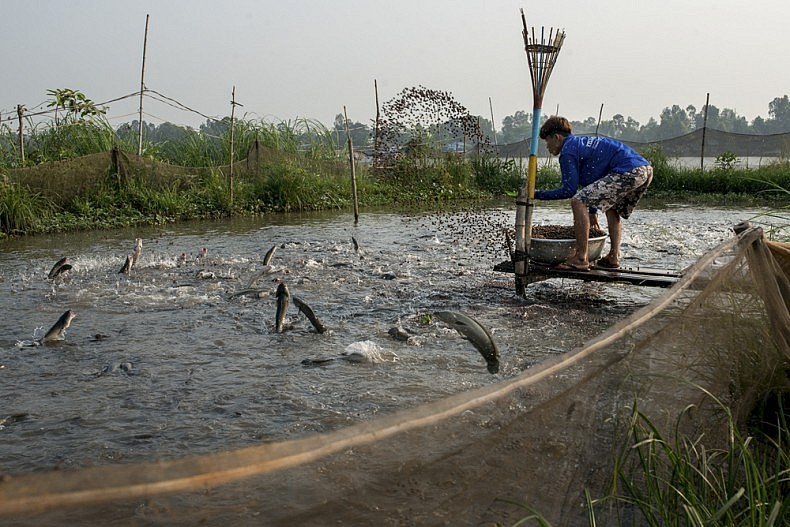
(495, 175)
(21, 211)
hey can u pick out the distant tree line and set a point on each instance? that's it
(672, 122)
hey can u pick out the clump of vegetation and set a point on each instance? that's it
(726, 183)
(681, 482)
(21, 211)
(496, 175)
(420, 158)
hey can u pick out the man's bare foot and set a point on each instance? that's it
(573, 265)
(609, 262)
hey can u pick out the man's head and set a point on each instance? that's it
(554, 131)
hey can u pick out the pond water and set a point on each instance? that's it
(166, 361)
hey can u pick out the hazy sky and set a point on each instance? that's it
(293, 59)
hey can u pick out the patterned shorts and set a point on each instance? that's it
(618, 191)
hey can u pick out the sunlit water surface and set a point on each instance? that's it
(166, 362)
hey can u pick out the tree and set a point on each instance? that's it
(779, 114)
(760, 126)
(674, 122)
(75, 103)
(360, 133)
(691, 112)
(729, 121)
(516, 127)
(618, 125)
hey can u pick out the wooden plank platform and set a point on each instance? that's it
(643, 276)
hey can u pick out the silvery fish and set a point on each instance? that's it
(60, 266)
(283, 297)
(475, 333)
(138, 250)
(58, 330)
(269, 255)
(304, 308)
(127, 265)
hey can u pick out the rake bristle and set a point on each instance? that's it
(541, 55)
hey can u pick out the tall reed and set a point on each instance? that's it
(683, 482)
(21, 211)
(70, 139)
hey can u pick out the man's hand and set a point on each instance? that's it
(594, 221)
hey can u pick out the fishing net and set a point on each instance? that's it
(62, 181)
(716, 143)
(476, 458)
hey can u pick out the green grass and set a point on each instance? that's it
(301, 170)
(679, 480)
(21, 211)
(726, 181)
(682, 482)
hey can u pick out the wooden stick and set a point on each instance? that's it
(493, 126)
(376, 159)
(704, 127)
(142, 91)
(600, 113)
(232, 117)
(353, 169)
(20, 111)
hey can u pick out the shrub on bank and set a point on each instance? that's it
(296, 168)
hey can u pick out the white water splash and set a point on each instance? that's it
(368, 351)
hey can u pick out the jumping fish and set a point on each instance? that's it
(60, 266)
(266, 270)
(250, 292)
(305, 309)
(475, 333)
(138, 250)
(127, 265)
(269, 255)
(13, 418)
(357, 249)
(58, 331)
(283, 297)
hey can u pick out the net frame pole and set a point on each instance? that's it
(541, 57)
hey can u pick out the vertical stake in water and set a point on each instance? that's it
(353, 169)
(541, 56)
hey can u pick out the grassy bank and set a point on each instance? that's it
(301, 170)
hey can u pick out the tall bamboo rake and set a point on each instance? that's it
(541, 57)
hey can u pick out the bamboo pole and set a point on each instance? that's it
(493, 126)
(353, 169)
(142, 91)
(233, 105)
(541, 57)
(20, 111)
(376, 145)
(704, 127)
(600, 113)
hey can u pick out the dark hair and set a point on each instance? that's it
(555, 125)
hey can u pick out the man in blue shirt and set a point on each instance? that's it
(612, 177)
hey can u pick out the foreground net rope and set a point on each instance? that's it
(539, 439)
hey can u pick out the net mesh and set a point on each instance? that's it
(62, 181)
(478, 457)
(716, 142)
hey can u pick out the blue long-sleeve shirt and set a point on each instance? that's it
(585, 159)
